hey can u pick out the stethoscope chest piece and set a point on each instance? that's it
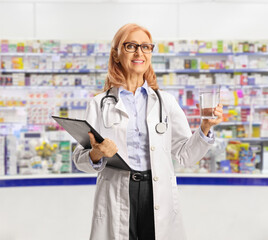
(160, 128)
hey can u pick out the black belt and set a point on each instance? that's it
(138, 176)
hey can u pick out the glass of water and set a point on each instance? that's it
(209, 99)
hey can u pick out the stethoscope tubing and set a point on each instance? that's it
(160, 127)
(107, 96)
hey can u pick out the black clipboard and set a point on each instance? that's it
(79, 129)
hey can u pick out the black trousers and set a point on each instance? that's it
(141, 220)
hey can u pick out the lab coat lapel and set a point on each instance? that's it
(119, 105)
(152, 99)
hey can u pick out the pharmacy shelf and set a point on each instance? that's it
(192, 117)
(260, 139)
(171, 87)
(246, 86)
(64, 54)
(107, 54)
(196, 71)
(189, 107)
(13, 123)
(260, 106)
(11, 108)
(200, 71)
(23, 54)
(53, 71)
(250, 70)
(44, 87)
(90, 179)
(159, 71)
(238, 123)
(191, 54)
(163, 87)
(257, 54)
(255, 106)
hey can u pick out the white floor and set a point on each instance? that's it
(64, 213)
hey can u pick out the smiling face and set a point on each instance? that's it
(135, 63)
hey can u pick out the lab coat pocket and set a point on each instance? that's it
(111, 115)
(100, 202)
(175, 194)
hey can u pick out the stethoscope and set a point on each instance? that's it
(160, 127)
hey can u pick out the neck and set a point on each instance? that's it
(134, 82)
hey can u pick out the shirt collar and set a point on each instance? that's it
(144, 89)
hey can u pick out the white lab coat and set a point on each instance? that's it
(176, 146)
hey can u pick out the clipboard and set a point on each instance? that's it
(79, 129)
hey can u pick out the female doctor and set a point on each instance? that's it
(150, 131)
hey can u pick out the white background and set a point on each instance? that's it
(64, 213)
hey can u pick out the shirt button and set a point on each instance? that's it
(155, 179)
(152, 148)
(156, 207)
(136, 129)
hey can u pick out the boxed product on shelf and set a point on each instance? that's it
(174, 63)
(44, 153)
(264, 124)
(244, 157)
(17, 63)
(249, 158)
(4, 46)
(2, 155)
(6, 62)
(101, 62)
(50, 46)
(265, 160)
(232, 151)
(62, 160)
(102, 47)
(10, 155)
(159, 63)
(18, 79)
(250, 46)
(6, 80)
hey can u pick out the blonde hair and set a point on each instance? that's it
(115, 76)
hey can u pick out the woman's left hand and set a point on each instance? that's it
(208, 123)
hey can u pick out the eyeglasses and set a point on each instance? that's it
(133, 47)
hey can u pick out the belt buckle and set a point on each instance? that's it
(137, 176)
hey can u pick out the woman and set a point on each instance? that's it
(140, 204)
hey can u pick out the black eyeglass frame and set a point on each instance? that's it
(139, 45)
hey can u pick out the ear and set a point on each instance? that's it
(115, 56)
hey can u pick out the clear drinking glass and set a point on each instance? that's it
(209, 99)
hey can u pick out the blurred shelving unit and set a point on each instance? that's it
(58, 78)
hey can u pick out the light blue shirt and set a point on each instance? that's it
(137, 131)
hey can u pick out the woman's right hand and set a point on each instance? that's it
(105, 149)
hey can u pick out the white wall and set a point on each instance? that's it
(64, 213)
(99, 19)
